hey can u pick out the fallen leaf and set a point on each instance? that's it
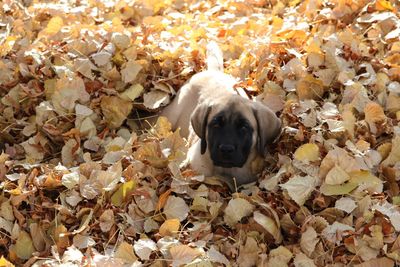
(170, 227)
(237, 209)
(155, 99)
(130, 71)
(125, 252)
(379, 262)
(299, 188)
(115, 110)
(394, 155)
(106, 220)
(5, 263)
(346, 204)
(301, 260)
(24, 246)
(390, 211)
(334, 232)
(336, 176)
(215, 256)
(143, 248)
(308, 241)
(248, 253)
(121, 195)
(335, 190)
(183, 254)
(307, 153)
(176, 208)
(132, 92)
(279, 256)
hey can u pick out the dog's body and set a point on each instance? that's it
(227, 133)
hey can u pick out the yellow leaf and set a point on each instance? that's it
(115, 110)
(151, 153)
(382, 5)
(335, 190)
(119, 197)
(55, 24)
(384, 150)
(60, 237)
(163, 199)
(367, 180)
(309, 88)
(125, 252)
(52, 181)
(24, 246)
(5, 263)
(307, 153)
(170, 227)
(118, 58)
(163, 127)
(7, 45)
(132, 92)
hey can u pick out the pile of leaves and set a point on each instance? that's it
(83, 184)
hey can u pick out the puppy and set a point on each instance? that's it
(227, 133)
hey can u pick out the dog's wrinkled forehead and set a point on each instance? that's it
(234, 109)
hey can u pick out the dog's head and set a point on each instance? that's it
(233, 129)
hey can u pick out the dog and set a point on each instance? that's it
(228, 134)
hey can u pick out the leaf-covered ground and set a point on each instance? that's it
(83, 185)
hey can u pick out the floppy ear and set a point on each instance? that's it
(199, 120)
(268, 126)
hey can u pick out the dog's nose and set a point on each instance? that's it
(226, 148)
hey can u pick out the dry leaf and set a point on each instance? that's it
(130, 71)
(183, 254)
(106, 220)
(336, 176)
(346, 204)
(23, 246)
(115, 110)
(125, 252)
(248, 253)
(309, 240)
(170, 227)
(155, 99)
(307, 153)
(301, 260)
(175, 207)
(144, 247)
(237, 209)
(269, 225)
(279, 257)
(299, 188)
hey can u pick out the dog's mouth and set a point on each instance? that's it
(227, 164)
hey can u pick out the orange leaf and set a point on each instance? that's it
(163, 199)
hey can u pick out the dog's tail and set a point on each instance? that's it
(215, 60)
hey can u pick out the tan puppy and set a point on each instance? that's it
(227, 133)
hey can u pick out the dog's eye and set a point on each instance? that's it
(217, 122)
(244, 127)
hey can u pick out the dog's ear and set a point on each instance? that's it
(268, 126)
(199, 121)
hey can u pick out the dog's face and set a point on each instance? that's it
(230, 138)
(234, 128)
